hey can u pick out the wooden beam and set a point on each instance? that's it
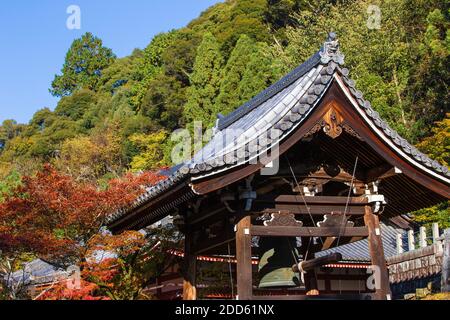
(314, 263)
(244, 259)
(302, 209)
(375, 173)
(208, 217)
(318, 205)
(381, 275)
(354, 239)
(190, 270)
(282, 231)
(206, 245)
(322, 200)
(328, 243)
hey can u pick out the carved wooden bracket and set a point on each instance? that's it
(333, 124)
(283, 219)
(335, 219)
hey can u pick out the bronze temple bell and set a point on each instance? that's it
(280, 264)
(275, 264)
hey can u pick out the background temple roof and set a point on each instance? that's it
(36, 272)
(357, 251)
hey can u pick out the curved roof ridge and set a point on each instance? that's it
(268, 93)
(328, 52)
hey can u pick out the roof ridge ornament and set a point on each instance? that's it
(330, 50)
(216, 129)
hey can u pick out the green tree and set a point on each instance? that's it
(120, 73)
(149, 64)
(9, 183)
(179, 57)
(41, 119)
(205, 83)
(151, 154)
(428, 92)
(93, 157)
(48, 142)
(279, 13)
(229, 20)
(437, 145)
(383, 60)
(9, 129)
(75, 106)
(163, 102)
(85, 60)
(249, 70)
(261, 71)
(232, 74)
(439, 214)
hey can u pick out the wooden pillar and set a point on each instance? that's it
(372, 222)
(190, 269)
(244, 259)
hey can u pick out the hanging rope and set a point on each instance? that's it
(344, 218)
(307, 249)
(292, 251)
(309, 213)
(304, 200)
(231, 272)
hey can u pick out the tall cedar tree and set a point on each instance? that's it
(232, 74)
(85, 60)
(261, 71)
(205, 83)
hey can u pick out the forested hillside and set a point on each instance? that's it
(116, 115)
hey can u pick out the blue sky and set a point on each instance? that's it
(35, 40)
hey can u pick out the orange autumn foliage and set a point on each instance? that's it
(51, 214)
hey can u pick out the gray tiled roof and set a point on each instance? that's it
(272, 115)
(274, 89)
(36, 272)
